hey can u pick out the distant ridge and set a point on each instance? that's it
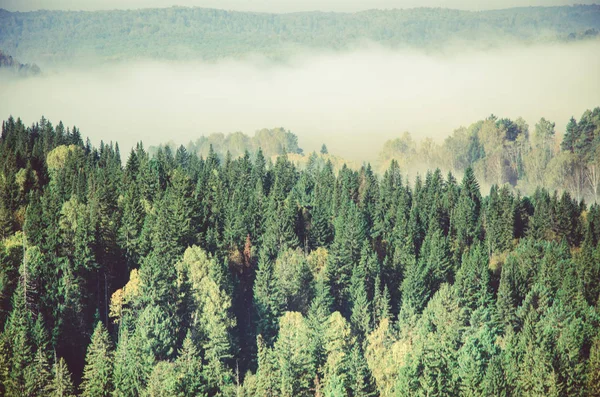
(8, 62)
(209, 34)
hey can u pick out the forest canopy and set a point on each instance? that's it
(184, 273)
(499, 150)
(210, 34)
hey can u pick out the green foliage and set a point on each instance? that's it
(60, 384)
(163, 380)
(190, 381)
(173, 32)
(97, 374)
(293, 356)
(293, 280)
(266, 299)
(133, 362)
(37, 375)
(351, 284)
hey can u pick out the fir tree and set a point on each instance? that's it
(61, 384)
(97, 374)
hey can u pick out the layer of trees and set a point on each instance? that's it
(177, 275)
(8, 63)
(45, 36)
(503, 151)
(272, 142)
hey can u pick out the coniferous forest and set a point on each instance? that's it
(174, 274)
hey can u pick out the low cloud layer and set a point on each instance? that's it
(353, 102)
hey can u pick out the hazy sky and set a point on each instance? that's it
(352, 101)
(279, 5)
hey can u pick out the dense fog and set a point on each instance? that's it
(351, 101)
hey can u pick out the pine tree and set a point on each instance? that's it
(293, 356)
(133, 363)
(506, 299)
(34, 225)
(280, 225)
(61, 384)
(494, 383)
(345, 253)
(382, 308)
(361, 310)
(266, 299)
(293, 280)
(97, 374)
(338, 342)
(131, 225)
(571, 136)
(317, 321)
(500, 223)
(188, 367)
(37, 375)
(414, 291)
(18, 336)
(159, 293)
(472, 281)
(473, 361)
(162, 381)
(267, 384)
(361, 381)
(466, 220)
(593, 371)
(216, 324)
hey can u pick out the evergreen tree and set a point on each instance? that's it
(18, 338)
(188, 367)
(162, 381)
(361, 381)
(317, 321)
(361, 311)
(293, 280)
(593, 371)
(133, 363)
(267, 382)
(472, 281)
(97, 374)
(465, 221)
(338, 343)
(345, 253)
(266, 299)
(293, 356)
(61, 384)
(38, 376)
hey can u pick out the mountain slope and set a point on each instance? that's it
(184, 33)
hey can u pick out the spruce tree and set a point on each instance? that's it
(266, 299)
(293, 356)
(361, 310)
(188, 366)
(361, 382)
(97, 373)
(317, 320)
(61, 384)
(267, 382)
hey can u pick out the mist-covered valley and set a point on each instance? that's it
(353, 101)
(387, 202)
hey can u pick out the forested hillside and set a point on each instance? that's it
(504, 151)
(8, 63)
(184, 33)
(178, 275)
(272, 142)
(499, 150)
